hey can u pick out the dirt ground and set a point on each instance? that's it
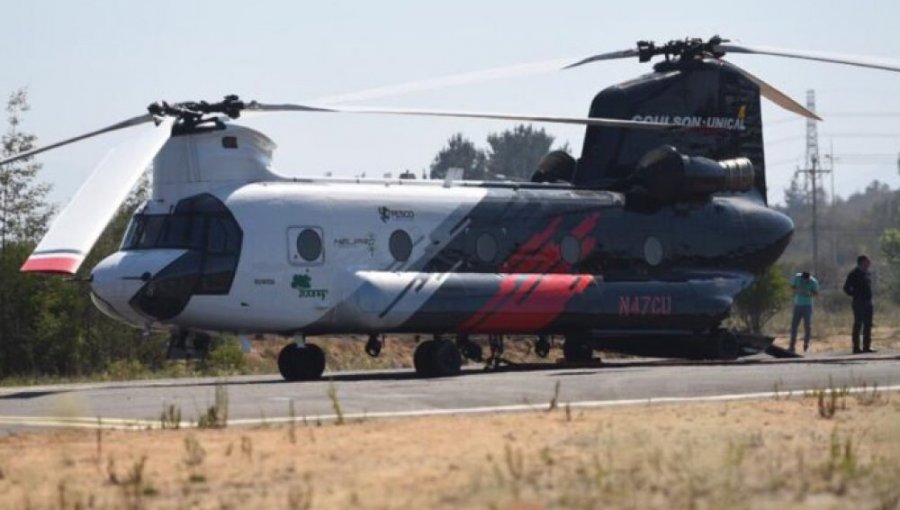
(775, 453)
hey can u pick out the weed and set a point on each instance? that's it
(292, 432)
(828, 401)
(194, 453)
(568, 411)
(554, 401)
(247, 446)
(864, 397)
(300, 497)
(170, 417)
(335, 404)
(216, 416)
(134, 485)
(99, 438)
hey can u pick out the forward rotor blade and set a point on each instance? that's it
(134, 121)
(772, 94)
(851, 60)
(612, 55)
(75, 230)
(585, 121)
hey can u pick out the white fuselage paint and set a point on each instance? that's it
(355, 219)
(355, 240)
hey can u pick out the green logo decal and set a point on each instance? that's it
(303, 284)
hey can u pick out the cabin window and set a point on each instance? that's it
(309, 245)
(400, 245)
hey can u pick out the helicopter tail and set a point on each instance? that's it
(719, 103)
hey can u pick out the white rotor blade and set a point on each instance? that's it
(585, 121)
(612, 55)
(851, 60)
(134, 121)
(772, 94)
(75, 230)
(485, 75)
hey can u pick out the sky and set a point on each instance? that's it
(90, 63)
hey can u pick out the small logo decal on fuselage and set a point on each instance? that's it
(367, 242)
(387, 214)
(303, 284)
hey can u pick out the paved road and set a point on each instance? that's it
(253, 399)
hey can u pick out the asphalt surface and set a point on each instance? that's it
(263, 399)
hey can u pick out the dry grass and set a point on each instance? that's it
(765, 454)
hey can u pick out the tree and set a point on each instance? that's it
(759, 302)
(23, 209)
(890, 247)
(459, 153)
(515, 153)
(23, 218)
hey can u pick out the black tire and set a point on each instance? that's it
(577, 350)
(725, 346)
(437, 358)
(422, 358)
(446, 359)
(301, 363)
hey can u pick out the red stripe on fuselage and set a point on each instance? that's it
(533, 309)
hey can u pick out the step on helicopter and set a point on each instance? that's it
(638, 246)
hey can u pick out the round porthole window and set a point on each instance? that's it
(570, 249)
(653, 251)
(400, 245)
(486, 247)
(309, 245)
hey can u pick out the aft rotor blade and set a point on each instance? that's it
(469, 78)
(134, 121)
(75, 230)
(612, 55)
(772, 94)
(584, 121)
(833, 58)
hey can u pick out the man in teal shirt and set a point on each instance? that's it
(805, 288)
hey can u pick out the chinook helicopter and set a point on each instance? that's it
(639, 246)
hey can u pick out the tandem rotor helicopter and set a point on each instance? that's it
(638, 246)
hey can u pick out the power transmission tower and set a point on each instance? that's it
(812, 171)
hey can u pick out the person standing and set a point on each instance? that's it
(805, 287)
(859, 286)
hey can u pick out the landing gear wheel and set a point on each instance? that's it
(542, 346)
(301, 363)
(724, 346)
(469, 349)
(437, 358)
(374, 345)
(576, 350)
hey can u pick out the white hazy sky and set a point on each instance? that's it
(93, 62)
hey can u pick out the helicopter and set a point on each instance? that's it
(639, 246)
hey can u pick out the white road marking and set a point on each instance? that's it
(137, 424)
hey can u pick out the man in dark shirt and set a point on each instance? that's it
(859, 286)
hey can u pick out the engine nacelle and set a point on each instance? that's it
(668, 176)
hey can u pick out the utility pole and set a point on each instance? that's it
(812, 171)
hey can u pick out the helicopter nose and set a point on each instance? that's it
(119, 277)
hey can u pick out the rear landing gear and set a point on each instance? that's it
(577, 350)
(301, 363)
(724, 345)
(437, 358)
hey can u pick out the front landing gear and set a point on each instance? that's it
(301, 363)
(437, 358)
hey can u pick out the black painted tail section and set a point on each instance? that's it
(722, 105)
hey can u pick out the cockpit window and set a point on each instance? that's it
(201, 223)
